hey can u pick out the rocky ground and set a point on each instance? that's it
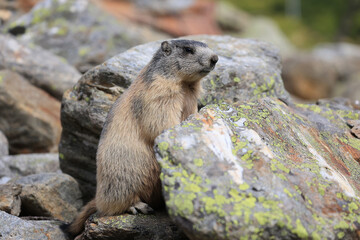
(253, 164)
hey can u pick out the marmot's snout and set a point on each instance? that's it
(213, 60)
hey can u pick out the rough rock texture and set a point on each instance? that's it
(4, 145)
(140, 227)
(78, 31)
(14, 228)
(9, 198)
(29, 116)
(246, 69)
(263, 170)
(27, 164)
(50, 195)
(40, 67)
(355, 127)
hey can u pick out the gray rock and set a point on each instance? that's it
(78, 31)
(4, 145)
(14, 228)
(30, 118)
(263, 170)
(9, 198)
(164, 6)
(27, 164)
(140, 227)
(246, 69)
(50, 195)
(42, 68)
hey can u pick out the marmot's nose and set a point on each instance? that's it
(213, 60)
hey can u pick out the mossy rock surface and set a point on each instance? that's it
(263, 170)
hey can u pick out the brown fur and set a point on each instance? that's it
(77, 225)
(127, 170)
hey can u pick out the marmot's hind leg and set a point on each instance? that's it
(140, 207)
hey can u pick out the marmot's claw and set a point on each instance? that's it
(143, 208)
(132, 210)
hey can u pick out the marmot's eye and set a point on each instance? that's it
(189, 50)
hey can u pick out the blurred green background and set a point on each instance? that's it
(308, 22)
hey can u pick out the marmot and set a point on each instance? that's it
(164, 94)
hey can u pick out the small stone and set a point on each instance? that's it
(10, 198)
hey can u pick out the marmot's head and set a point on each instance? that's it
(185, 60)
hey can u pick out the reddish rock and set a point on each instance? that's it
(198, 19)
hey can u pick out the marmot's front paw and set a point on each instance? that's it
(140, 207)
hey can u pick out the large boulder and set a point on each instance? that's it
(247, 69)
(14, 228)
(27, 164)
(140, 227)
(42, 68)
(263, 170)
(30, 118)
(78, 31)
(50, 195)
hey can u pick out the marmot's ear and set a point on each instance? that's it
(166, 48)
